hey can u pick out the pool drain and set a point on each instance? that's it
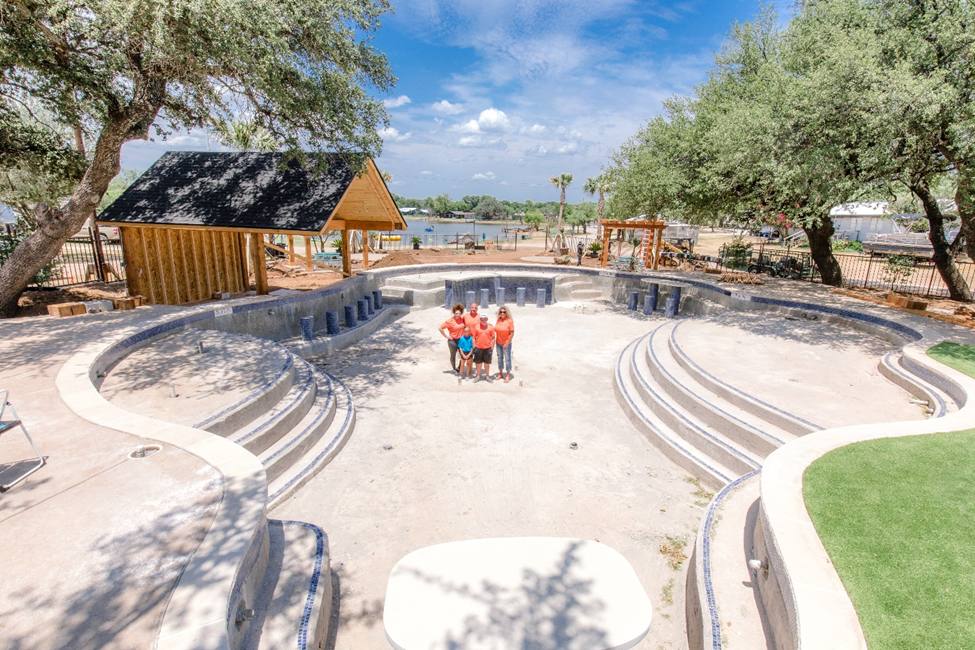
(144, 450)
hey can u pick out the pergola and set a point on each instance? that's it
(194, 222)
(652, 229)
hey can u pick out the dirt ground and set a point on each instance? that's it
(35, 301)
(943, 309)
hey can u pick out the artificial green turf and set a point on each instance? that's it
(957, 355)
(897, 517)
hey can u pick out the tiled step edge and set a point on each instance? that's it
(286, 414)
(672, 445)
(890, 367)
(760, 409)
(321, 454)
(290, 447)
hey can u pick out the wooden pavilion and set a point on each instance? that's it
(194, 222)
(652, 245)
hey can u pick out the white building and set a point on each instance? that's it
(863, 220)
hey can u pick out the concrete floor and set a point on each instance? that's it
(433, 460)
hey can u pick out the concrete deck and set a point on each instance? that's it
(433, 460)
(93, 542)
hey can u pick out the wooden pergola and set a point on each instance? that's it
(194, 222)
(651, 253)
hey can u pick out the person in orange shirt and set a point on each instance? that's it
(504, 330)
(473, 319)
(452, 329)
(483, 347)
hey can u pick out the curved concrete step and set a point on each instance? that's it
(282, 454)
(585, 294)
(757, 436)
(891, 366)
(321, 453)
(782, 419)
(707, 440)
(294, 600)
(677, 449)
(284, 416)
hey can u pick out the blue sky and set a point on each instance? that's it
(496, 96)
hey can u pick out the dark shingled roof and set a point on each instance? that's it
(258, 191)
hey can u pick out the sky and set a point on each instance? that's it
(496, 96)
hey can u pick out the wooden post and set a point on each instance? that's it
(604, 254)
(365, 249)
(257, 262)
(291, 249)
(346, 254)
(308, 264)
(649, 246)
(658, 238)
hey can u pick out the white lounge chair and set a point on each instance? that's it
(8, 424)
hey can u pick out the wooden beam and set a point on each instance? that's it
(365, 249)
(257, 263)
(291, 249)
(348, 224)
(604, 254)
(658, 236)
(308, 264)
(157, 226)
(346, 255)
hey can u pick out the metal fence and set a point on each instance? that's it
(83, 261)
(505, 242)
(918, 276)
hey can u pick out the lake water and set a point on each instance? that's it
(450, 229)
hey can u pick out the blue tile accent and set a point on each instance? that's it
(313, 581)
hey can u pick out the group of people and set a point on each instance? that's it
(471, 337)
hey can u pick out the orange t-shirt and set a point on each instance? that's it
(473, 321)
(505, 329)
(484, 336)
(454, 328)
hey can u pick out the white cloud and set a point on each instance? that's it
(471, 126)
(492, 119)
(396, 102)
(480, 140)
(426, 172)
(447, 108)
(483, 176)
(392, 134)
(534, 129)
(568, 147)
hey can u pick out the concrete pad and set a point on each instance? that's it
(435, 460)
(822, 372)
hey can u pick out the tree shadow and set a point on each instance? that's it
(554, 610)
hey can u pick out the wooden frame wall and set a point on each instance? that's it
(174, 266)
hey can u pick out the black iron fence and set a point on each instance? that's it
(83, 260)
(479, 241)
(900, 273)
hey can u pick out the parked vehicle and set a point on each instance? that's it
(785, 267)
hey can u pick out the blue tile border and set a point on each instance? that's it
(321, 544)
(706, 559)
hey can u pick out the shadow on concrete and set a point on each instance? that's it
(117, 591)
(547, 611)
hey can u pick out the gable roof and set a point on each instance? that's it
(238, 190)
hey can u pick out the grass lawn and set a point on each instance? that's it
(897, 517)
(957, 355)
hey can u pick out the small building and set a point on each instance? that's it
(861, 220)
(194, 224)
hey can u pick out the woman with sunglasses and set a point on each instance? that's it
(452, 329)
(504, 330)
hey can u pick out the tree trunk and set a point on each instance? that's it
(965, 200)
(55, 225)
(821, 250)
(957, 287)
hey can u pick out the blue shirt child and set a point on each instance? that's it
(465, 343)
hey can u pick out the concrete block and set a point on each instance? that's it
(632, 300)
(349, 315)
(520, 296)
(499, 295)
(540, 297)
(370, 308)
(651, 299)
(485, 297)
(448, 297)
(65, 309)
(124, 304)
(673, 302)
(307, 324)
(98, 306)
(377, 299)
(470, 298)
(362, 311)
(331, 323)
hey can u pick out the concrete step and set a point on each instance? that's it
(585, 294)
(305, 434)
(321, 453)
(743, 428)
(397, 293)
(892, 367)
(565, 285)
(676, 448)
(722, 603)
(284, 416)
(421, 282)
(294, 600)
(760, 409)
(706, 439)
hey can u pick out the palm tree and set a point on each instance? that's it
(598, 185)
(561, 181)
(245, 135)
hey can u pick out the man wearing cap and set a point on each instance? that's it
(484, 337)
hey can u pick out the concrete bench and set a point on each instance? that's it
(516, 592)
